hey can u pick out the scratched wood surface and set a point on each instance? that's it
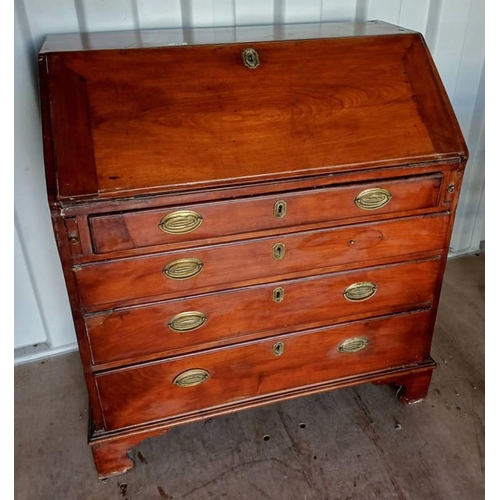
(357, 443)
(251, 262)
(198, 117)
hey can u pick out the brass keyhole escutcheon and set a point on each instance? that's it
(279, 251)
(278, 348)
(278, 294)
(280, 209)
(451, 188)
(250, 58)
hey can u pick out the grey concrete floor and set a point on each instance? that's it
(357, 443)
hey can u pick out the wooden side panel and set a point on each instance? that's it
(432, 99)
(63, 244)
(147, 393)
(75, 243)
(235, 315)
(141, 229)
(71, 131)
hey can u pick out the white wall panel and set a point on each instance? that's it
(159, 14)
(450, 41)
(225, 13)
(27, 317)
(102, 15)
(385, 10)
(433, 21)
(298, 11)
(454, 31)
(30, 200)
(256, 11)
(61, 17)
(413, 15)
(338, 10)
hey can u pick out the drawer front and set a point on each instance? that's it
(224, 266)
(220, 318)
(222, 376)
(204, 221)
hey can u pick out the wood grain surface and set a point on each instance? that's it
(133, 134)
(198, 117)
(225, 266)
(141, 229)
(146, 393)
(238, 315)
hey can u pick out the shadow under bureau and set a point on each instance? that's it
(246, 215)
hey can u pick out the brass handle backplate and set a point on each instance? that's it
(187, 321)
(278, 294)
(180, 222)
(190, 378)
(250, 58)
(354, 344)
(183, 269)
(372, 199)
(358, 292)
(279, 251)
(280, 209)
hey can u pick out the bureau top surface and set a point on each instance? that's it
(141, 112)
(217, 35)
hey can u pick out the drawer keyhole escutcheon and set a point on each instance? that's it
(278, 294)
(180, 222)
(187, 321)
(250, 58)
(280, 209)
(190, 378)
(279, 251)
(373, 198)
(354, 344)
(183, 269)
(358, 292)
(278, 348)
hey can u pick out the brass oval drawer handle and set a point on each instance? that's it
(279, 251)
(372, 199)
(280, 209)
(250, 58)
(354, 344)
(358, 292)
(187, 321)
(183, 269)
(180, 222)
(190, 378)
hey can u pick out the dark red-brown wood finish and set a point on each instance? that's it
(246, 217)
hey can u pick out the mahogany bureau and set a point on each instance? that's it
(246, 215)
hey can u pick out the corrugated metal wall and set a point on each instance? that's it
(454, 30)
